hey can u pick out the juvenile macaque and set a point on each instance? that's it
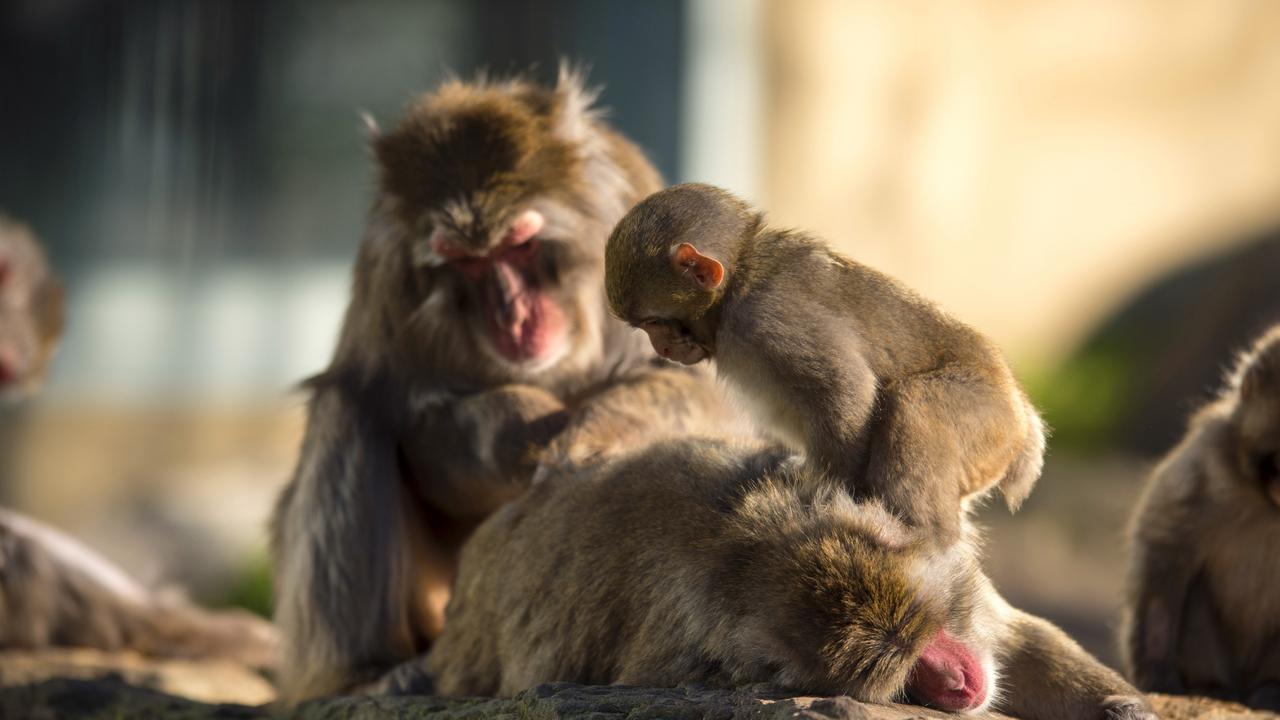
(1203, 611)
(477, 328)
(30, 312)
(705, 561)
(878, 386)
(54, 591)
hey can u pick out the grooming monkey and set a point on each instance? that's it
(477, 328)
(878, 386)
(726, 563)
(1203, 610)
(30, 312)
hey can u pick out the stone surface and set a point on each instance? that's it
(211, 681)
(113, 698)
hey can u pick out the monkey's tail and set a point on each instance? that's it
(1026, 467)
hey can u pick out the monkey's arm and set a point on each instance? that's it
(342, 551)
(1160, 581)
(473, 454)
(653, 402)
(808, 377)
(1047, 676)
(1161, 572)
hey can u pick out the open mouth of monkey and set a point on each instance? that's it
(524, 323)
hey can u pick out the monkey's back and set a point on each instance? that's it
(582, 567)
(695, 561)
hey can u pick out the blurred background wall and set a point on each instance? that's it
(1094, 183)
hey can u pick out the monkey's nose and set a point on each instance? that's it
(953, 677)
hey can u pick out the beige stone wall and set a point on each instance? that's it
(1027, 164)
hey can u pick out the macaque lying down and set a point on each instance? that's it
(713, 562)
(55, 591)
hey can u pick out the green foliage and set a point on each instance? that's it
(252, 590)
(1087, 399)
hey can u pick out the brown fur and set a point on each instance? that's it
(30, 311)
(1203, 610)
(728, 563)
(420, 428)
(54, 591)
(878, 386)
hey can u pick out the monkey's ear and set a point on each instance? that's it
(702, 269)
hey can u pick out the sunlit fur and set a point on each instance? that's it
(728, 563)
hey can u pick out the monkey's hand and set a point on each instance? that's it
(407, 678)
(1128, 707)
(473, 455)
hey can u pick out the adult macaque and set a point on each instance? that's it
(706, 561)
(1203, 611)
(477, 327)
(879, 387)
(30, 312)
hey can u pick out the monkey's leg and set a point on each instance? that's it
(342, 553)
(1047, 676)
(927, 443)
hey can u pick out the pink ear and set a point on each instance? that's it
(702, 269)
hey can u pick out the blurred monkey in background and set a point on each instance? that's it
(1203, 610)
(30, 312)
(55, 591)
